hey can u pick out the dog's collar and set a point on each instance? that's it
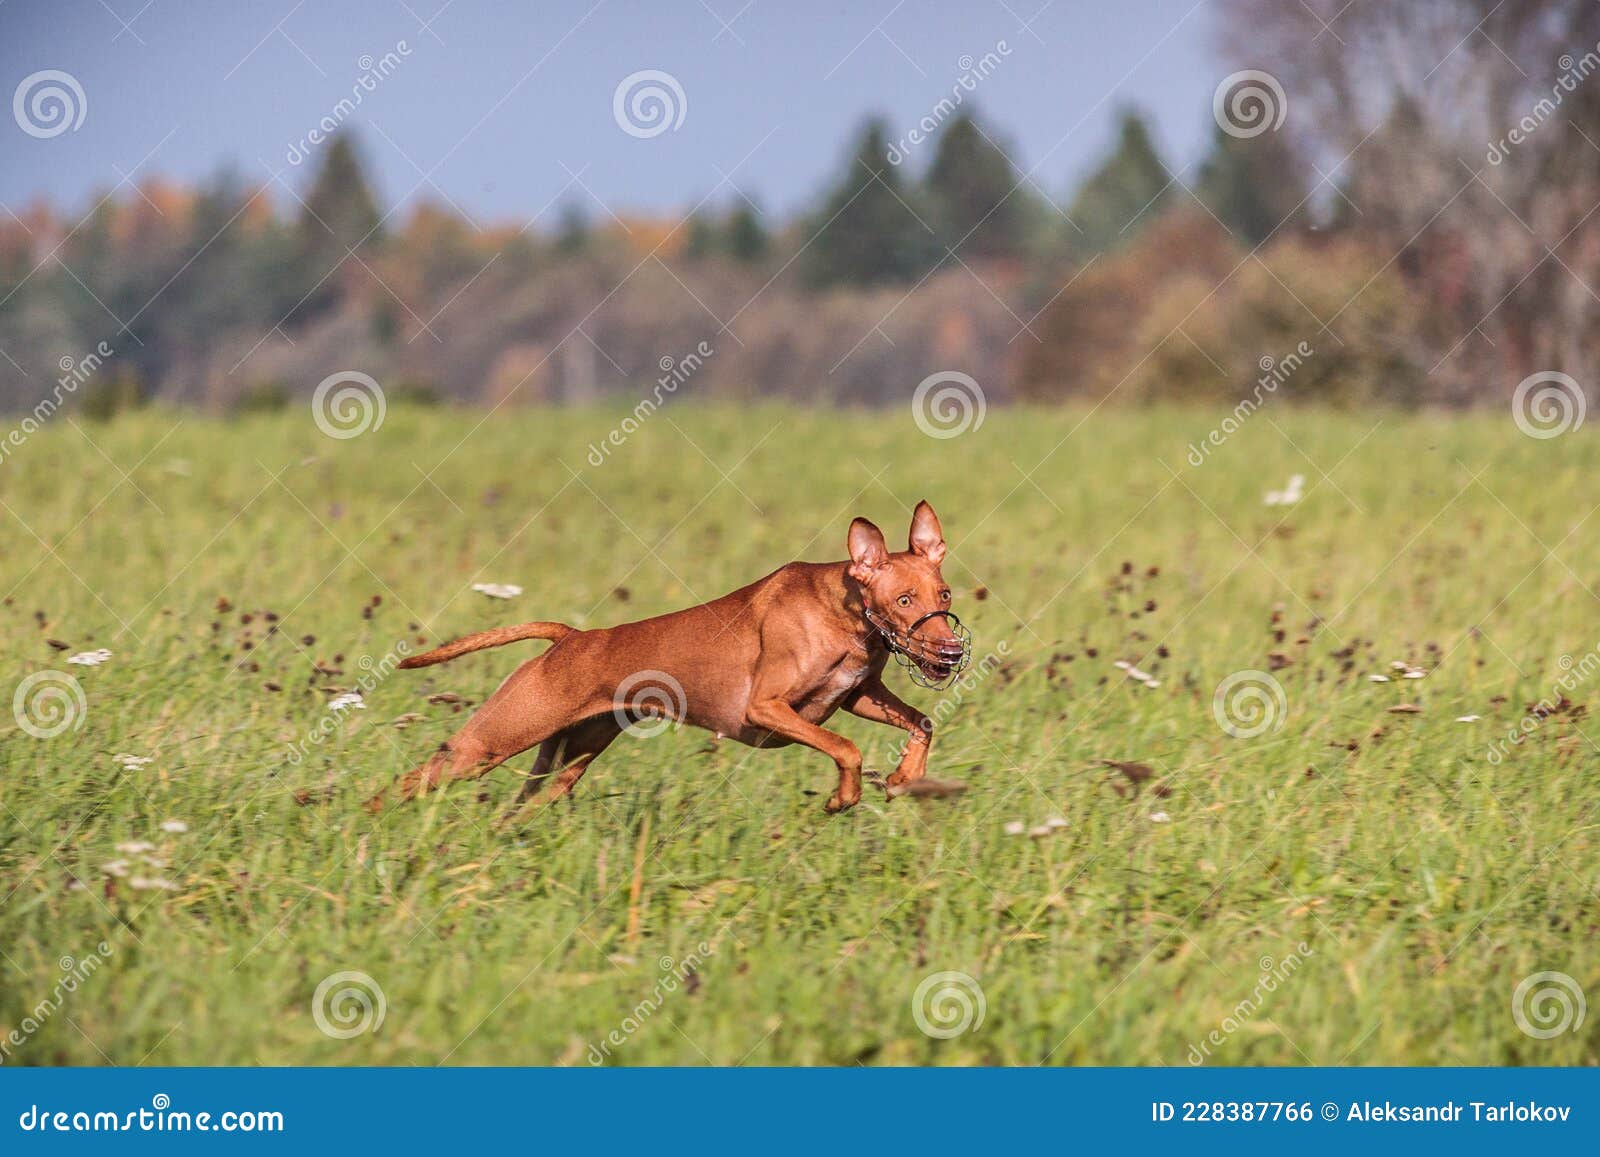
(910, 651)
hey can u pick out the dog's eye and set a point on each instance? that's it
(904, 600)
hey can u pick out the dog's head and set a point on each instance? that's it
(907, 600)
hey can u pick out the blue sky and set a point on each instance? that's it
(506, 109)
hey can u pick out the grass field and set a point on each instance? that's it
(1351, 885)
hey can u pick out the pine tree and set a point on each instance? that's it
(868, 231)
(1251, 184)
(340, 212)
(700, 238)
(338, 215)
(235, 267)
(1129, 190)
(572, 230)
(747, 238)
(973, 188)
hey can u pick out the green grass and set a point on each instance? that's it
(1424, 880)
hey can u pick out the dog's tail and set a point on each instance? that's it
(498, 637)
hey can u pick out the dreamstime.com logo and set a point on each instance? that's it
(1574, 673)
(373, 73)
(1249, 703)
(947, 404)
(374, 672)
(74, 372)
(75, 971)
(956, 694)
(1548, 1004)
(1272, 975)
(947, 1004)
(649, 102)
(1548, 404)
(347, 1004)
(160, 1117)
(675, 974)
(646, 703)
(1249, 103)
(972, 71)
(1573, 74)
(347, 404)
(1274, 372)
(49, 103)
(47, 703)
(674, 373)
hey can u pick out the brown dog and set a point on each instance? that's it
(766, 665)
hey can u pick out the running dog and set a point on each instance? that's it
(767, 665)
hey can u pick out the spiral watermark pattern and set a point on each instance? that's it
(654, 695)
(947, 1004)
(1547, 1004)
(1548, 404)
(1249, 103)
(49, 103)
(347, 1004)
(48, 703)
(649, 102)
(947, 404)
(1249, 703)
(348, 404)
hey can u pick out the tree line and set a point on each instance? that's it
(1391, 223)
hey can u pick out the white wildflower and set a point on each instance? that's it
(498, 590)
(1289, 495)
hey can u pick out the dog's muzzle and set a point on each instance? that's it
(930, 662)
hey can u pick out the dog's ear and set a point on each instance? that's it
(868, 551)
(926, 537)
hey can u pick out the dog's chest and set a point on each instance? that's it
(832, 685)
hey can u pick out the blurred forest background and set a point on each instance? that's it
(1388, 223)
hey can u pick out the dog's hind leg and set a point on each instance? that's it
(529, 708)
(569, 754)
(463, 756)
(562, 760)
(543, 763)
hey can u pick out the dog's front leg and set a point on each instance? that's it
(876, 702)
(777, 717)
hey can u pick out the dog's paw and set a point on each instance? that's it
(837, 803)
